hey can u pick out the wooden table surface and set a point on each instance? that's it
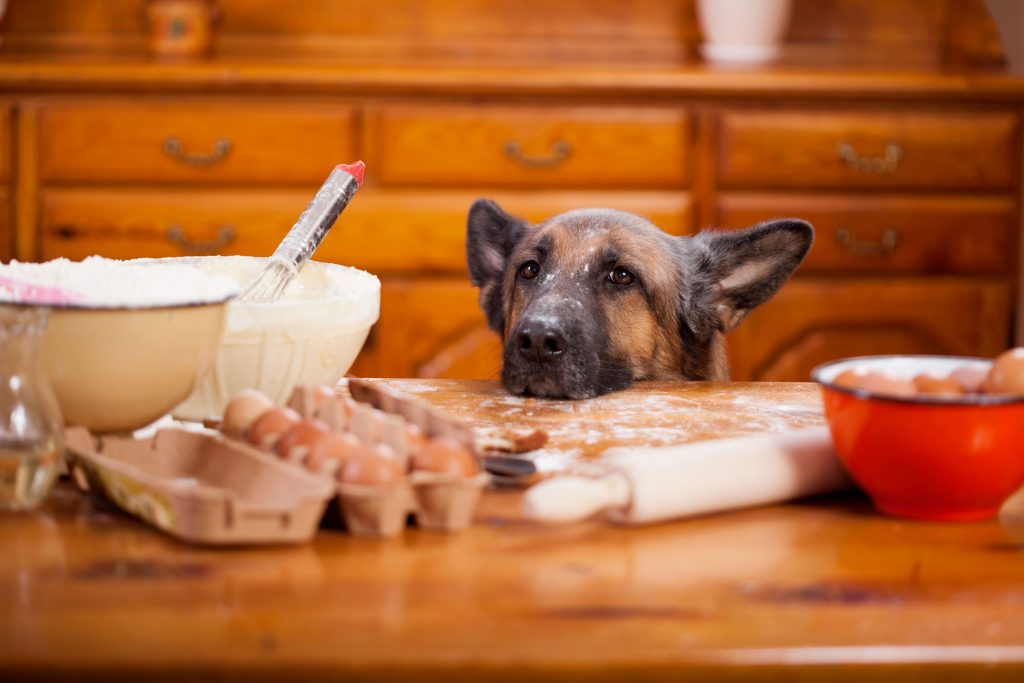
(820, 589)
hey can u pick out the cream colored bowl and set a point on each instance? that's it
(118, 369)
(312, 335)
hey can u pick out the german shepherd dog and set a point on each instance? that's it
(591, 300)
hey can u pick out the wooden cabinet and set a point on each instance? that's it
(888, 149)
(910, 175)
(384, 231)
(507, 146)
(6, 146)
(6, 238)
(218, 141)
(431, 327)
(914, 256)
(815, 320)
(901, 233)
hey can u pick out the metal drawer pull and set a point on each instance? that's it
(176, 150)
(891, 239)
(559, 152)
(175, 234)
(884, 164)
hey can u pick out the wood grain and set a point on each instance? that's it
(6, 138)
(814, 320)
(801, 149)
(6, 234)
(120, 140)
(425, 231)
(935, 235)
(905, 31)
(26, 182)
(646, 414)
(824, 589)
(568, 147)
(433, 327)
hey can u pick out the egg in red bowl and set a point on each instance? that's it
(934, 456)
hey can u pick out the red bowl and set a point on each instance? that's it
(926, 457)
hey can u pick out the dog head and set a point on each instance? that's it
(590, 300)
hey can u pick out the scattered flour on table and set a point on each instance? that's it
(141, 283)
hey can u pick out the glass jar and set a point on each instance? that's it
(31, 428)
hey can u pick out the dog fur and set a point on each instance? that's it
(591, 300)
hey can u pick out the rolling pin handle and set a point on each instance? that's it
(573, 499)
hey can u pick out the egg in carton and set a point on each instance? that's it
(369, 452)
(444, 483)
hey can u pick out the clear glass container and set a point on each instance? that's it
(31, 428)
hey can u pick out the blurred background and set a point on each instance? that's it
(131, 128)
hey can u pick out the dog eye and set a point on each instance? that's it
(621, 276)
(529, 270)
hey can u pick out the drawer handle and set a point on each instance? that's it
(883, 164)
(891, 239)
(174, 148)
(175, 234)
(559, 152)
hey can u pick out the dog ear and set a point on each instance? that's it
(737, 270)
(491, 235)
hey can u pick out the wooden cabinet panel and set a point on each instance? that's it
(213, 141)
(888, 150)
(894, 234)
(812, 321)
(6, 143)
(506, 146)
(432, 328)
(6, 234)
(380, 231)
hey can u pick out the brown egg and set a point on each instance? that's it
(268, 427)
(299, 439)
(321, 393)
(445, 455)
(372, 466)
(334, 446)
(938, 386)
(1007, 374)
(875, 382)
(970, 377)
(850, 379)
(242, 410)
(415, 439)
(887, 385)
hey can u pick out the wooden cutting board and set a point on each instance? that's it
(648, 414)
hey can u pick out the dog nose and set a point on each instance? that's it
(541, 343)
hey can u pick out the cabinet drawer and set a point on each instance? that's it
(529, 147)
(432, 327)
(6, 143)
(867, 150)
(380, 231)
(227, 141)
(887, 234)
(812, 321)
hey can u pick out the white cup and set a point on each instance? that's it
(742, 30)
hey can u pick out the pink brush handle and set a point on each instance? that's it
(29, 293)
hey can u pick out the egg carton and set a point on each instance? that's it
(438, 501)
(200, 487)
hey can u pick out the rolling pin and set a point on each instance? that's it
(645, 485)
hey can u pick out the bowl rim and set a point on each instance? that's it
(221, 301)
(970, 400)
(372, 281)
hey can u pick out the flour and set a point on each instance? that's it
(99, 282)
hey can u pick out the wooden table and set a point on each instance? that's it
(820, 589)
